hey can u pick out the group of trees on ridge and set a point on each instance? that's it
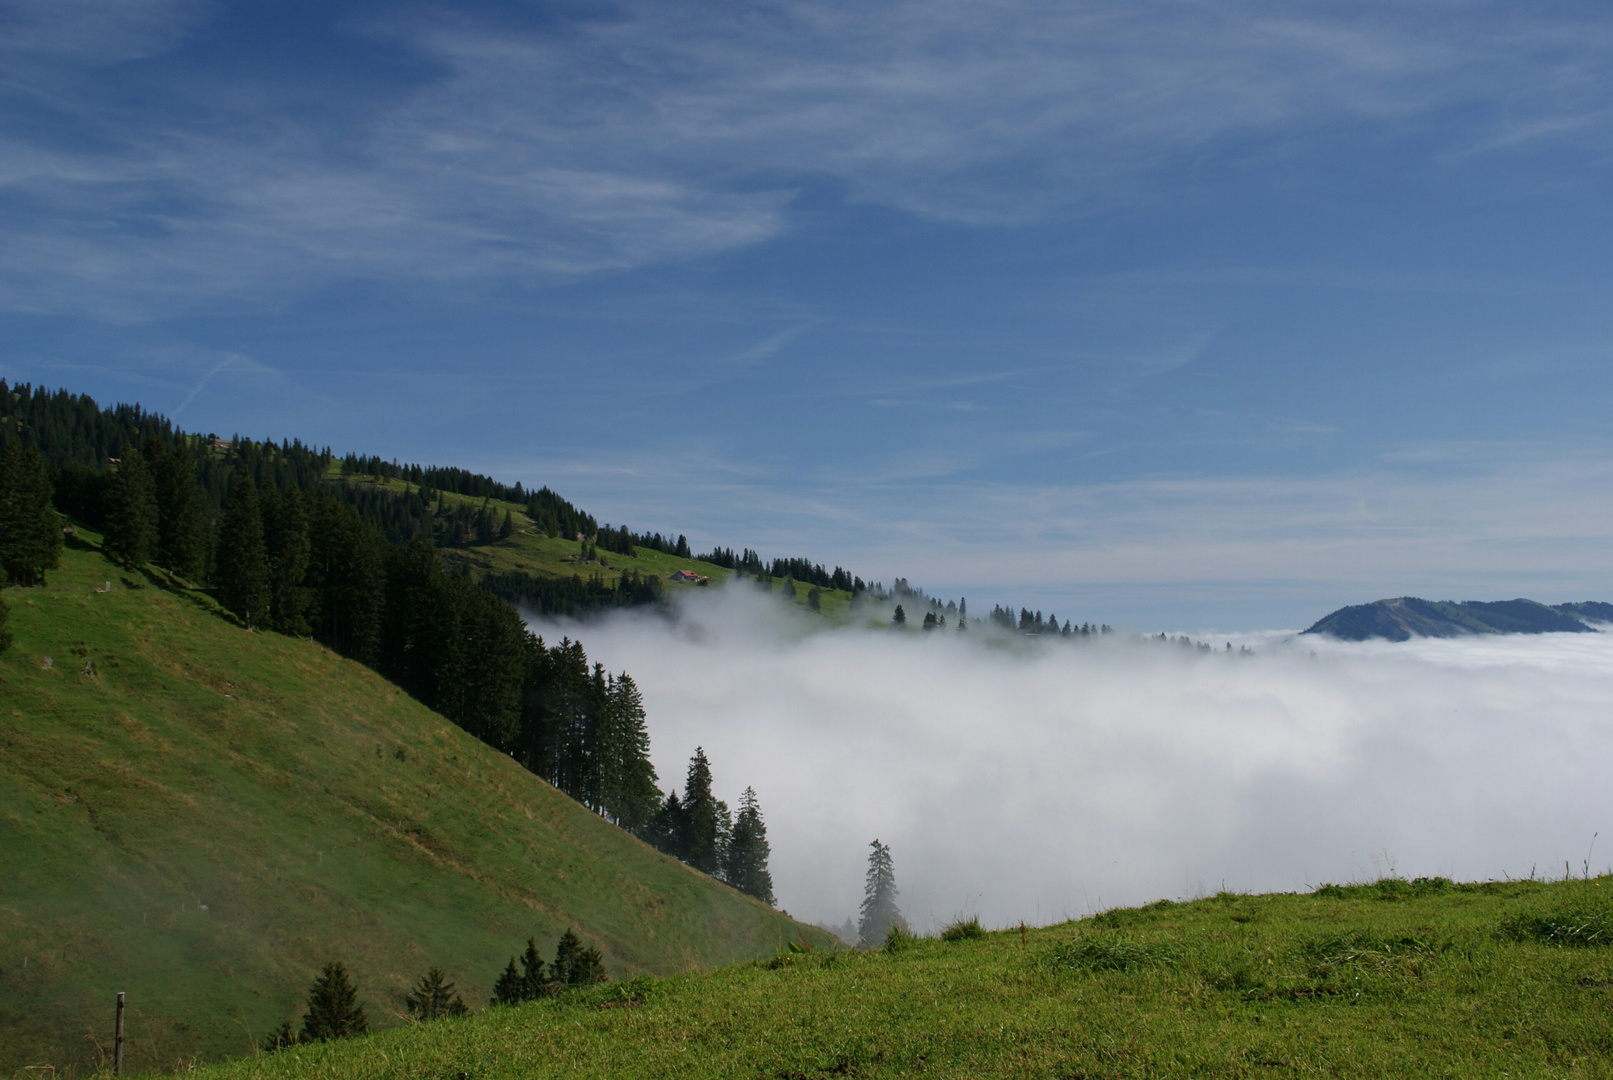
(804, 571)
(303, 562)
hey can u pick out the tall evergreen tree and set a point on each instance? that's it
(30, 529)
(702, 818)
(333, 1008)
(509, 988)
(131, 520)
(879, 911)
(535, 980)
(576, 964)
(786, 589)
(242, 572)
(347, 573)
(287, 544)
(629, 794)
(182, 516)
(433, 997)
(899, 617)
(745, 860)
(667, 831)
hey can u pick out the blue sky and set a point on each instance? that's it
(1173, 315)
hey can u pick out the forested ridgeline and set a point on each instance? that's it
(81, 443)
(296, 555)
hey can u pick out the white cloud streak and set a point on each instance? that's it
(677, 130)
(1032, 782)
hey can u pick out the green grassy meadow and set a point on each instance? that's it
(202, 816)
(1396, 979)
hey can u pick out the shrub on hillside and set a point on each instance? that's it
(898, 937)
(963, 929)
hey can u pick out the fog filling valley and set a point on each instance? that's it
(1038, 779)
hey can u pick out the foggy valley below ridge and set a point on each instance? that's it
(1026, 779)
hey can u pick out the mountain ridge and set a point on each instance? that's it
(1404, 617)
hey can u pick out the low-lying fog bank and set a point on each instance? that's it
(1036, 779)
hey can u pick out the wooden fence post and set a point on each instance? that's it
(117, 1041)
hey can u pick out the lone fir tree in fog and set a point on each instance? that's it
(879, 912)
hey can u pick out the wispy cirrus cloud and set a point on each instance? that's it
(575, 146)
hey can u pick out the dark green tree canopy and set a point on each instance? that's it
(242, 564)
(576, 964)
(30, 529)
(702, 816)
(334, 1011)
(131, 519)
(746, 854)
(183, 516)
(433, 997)
(509, 988)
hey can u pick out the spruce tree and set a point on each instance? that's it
(666, 832)
(333, 1008)
(879, 912)
(786, 589)
(242, 567)
(535, 982)
(287, 544)
(509, 988)
(745, 860)
(899, 617)
(702, 818)
(131, 520)
(576, 964)
(507, 529)
(30, 529)
(434, 997)
(182, 519)
(629, 796)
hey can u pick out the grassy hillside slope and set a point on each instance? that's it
(532, 552)
(201, 817)
(1397, 979)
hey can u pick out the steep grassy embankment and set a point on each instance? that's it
(201, 817)
(1398, 979)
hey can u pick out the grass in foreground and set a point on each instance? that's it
(1398, 979)
(203, 816)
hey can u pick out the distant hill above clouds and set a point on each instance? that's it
(1406, 617)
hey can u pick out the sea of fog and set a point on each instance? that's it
(1025, 779)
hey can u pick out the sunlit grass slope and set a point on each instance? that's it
(533, 552)
(1398, 979)
(201, 817)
